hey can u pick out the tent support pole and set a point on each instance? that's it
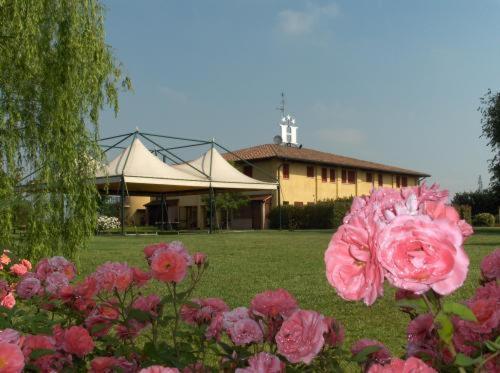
(211, 204)
(162, 207)
(279, 205)
(122, 205)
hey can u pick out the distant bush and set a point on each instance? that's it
(484, 219)
(105, 223)
(486, 200)
(325, 214)
(465, 212)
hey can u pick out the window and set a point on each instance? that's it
(286, 203)
(298, 204)
(369, 177)
(348, 176)
(324, 175)
(404, 181)
(310, 171)
(248, 170)
(286, 171)
(380, 180)
(332, 175)
(398, 181)
(310, 203)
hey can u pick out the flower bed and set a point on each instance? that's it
(107, 322)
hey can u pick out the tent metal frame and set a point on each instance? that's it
(166, 152)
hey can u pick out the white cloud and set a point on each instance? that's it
(173, 95)
(300, 22)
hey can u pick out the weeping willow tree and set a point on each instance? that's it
(56, 75)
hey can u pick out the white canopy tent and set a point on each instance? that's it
(137, 171)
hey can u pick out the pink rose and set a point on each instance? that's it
(199, 259)
(77, 341)
(420, 254)
(4, 259)
(438, 210)
(55, 264)
(105, 364)
(490, 266)
(8, 301)
(54, 282)
(274, 303)
(206, 310)
(18, 269)
(351, 261)
(28, 287)
(11, 358)
(168, 266)
(140, 277)
(147, 304)
(38, 342)
(263, 362)
(301, 336)
(174, 246)
(159, 369)
(229, 318)
(27, 264)
(381, 356)
(214, 328)
(245, 331)
(113, 275)
(412, 365)
(10, 336)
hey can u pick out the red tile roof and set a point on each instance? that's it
(268, 151)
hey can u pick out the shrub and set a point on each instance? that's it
(484, 219)
(325, 214)
(105, 223)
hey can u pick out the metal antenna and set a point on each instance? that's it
(282, 105)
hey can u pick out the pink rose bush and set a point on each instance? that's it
(52, 320)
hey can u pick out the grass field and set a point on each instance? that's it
(243, 264)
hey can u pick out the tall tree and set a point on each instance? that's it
(490, 110)
(56, 74)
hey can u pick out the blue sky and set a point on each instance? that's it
(396, 82)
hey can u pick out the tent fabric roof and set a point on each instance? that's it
(223, 174)
(144, 172)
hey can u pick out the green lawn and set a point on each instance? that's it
(243, 264)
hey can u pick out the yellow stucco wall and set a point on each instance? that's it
(134, 209)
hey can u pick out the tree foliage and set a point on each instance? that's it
(56, 74)
(490, 110)
(479, 201)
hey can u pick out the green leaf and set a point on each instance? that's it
(445, 330)
(417, 304)
(139, 315)
(362, 356)
(35, 354)
(465, 361)
(459, 310)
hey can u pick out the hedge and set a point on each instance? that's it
(465, 212)
(322, 215)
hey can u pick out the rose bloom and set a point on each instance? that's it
(273, 303)
(168, 266)
(420, 254)
(439, 210)
(412, 365)
(351, 263)
(11, 358)
(159, 369)
(18, 269)
(147, 304)
(130, 330)
(109, 364)
(263, 362)
(199, 259)
(4, 259)
(335, 334)
(77, 341)
(113, 275)
(54, 282)
(101, 319)
(245, 331)
(8, 301)
(381, 356)
(301, 336)
(214, 328)
(37, 342)
(28, 287)
(27, 264)
(490, 266)
(140, 277)
(229, 318)
(10, 336)
(175, 246)
(55, 264)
